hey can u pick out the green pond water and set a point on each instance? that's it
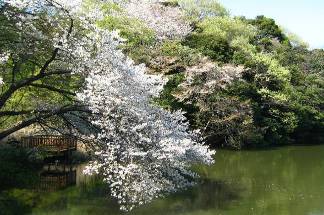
(288, 180)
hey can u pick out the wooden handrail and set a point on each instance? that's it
(59, 143)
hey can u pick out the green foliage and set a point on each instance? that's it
(166, 98)
(18, 166)
(186, 55)
(17, 201)
(277, 99)
(282, 83)
(170, 3)
(133, 30)
(197, 10)
(28, 53)
(216, 37)
(268, 29)
(138, 36)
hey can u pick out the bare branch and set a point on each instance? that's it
(38, 117)
(26, 82)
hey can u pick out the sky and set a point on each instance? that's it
(304, 18)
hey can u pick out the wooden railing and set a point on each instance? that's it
(50, 142)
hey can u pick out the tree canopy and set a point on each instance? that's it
(146, 83)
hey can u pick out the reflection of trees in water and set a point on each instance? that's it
(22, 199)
(56, 177)
(214, 194)
(210, 195)
(285, 181)
(91, 197)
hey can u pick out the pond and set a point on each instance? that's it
(287, 180)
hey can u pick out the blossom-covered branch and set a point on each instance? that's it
(142, 151)
(167, 21)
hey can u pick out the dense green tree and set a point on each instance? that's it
(268, 29)
(282, 82)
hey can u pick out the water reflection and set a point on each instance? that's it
(285, 181)
(209, 195)
(91, 198)
(54, 177)
(51, 178)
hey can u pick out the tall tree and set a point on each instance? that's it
(142, 151)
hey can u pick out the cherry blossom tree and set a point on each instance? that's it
(224, 120)
(142, 151)
(169, 22)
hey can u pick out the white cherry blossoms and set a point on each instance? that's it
(143, 151)
(169, 22)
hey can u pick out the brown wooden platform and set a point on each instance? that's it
(50, 143)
